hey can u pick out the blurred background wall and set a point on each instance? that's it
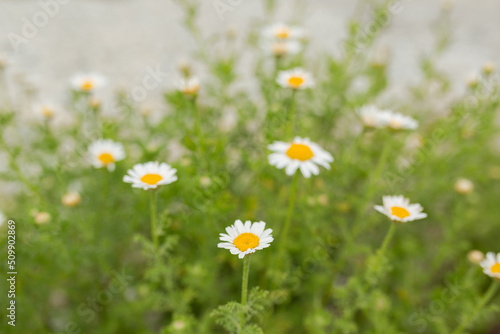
(123, 38)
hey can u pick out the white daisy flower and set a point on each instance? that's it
(150, 175)
(87, 82)
(398, 208)
(282, 31)
(491, 265)
(373, 117)
(398, 121)
(281, 48)
(301, 153)
(243, 239)
(105, 152)
(296, 78)
(189, 86)
(44, 110)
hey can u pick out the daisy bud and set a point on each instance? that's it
(472, 81)
(71, 199)
(464, 186)
(489, 68)
(475, 256)
(94, 103)
(205, 181)
(179, 325)
(185, 68)
(42, 217)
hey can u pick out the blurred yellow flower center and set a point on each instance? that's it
(151, 178)
(399, 212)
(295, 81)
(283, 33)
(395, 124)
(246, 241)
(47, 112)
(495, 269)
(279, 48)
(300, 152)
(191, 89)
(106, 158)
(87, 85)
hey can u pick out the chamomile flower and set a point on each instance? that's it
(398, 208)
(282, 31)
(491, 265)
(44, 110)
(189, 86)
(301, 154)
(373, 117)
(296, 78)
(105, 152)
(150, 175)
(243, 239)
(281, 48)
(87, 82)
(397, 121)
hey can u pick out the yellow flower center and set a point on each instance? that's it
(47, 112)
(295, 82)
(395, 124)
(283, 33)
(106, 158)
(87, 85)
(246, 241)
(399, 212)
(495, 269)
(279, 49)
(191, 89)
(300, 152)
(151, 178)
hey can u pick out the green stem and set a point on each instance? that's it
(482, 303)
(286, 225)
(244, 289)
(292, 122)
(154, 230)
(383, 248)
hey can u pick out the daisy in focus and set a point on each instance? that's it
(491, 265)
(87, 83)
(398, 121)
(296, 78)
(105, 152)
(399, 209)
(150, 175)
(189, 86)
(242, 239)
(301, 154)
(373, 117)
(282, 31)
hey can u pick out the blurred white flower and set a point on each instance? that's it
(281, 48)
(87, 82)
(373, 117)
(189, 86)
(44, 110)
(397, 121)
(150, 175)
(105, 152)
(491, 265)
(282, 31)
(296, 78)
